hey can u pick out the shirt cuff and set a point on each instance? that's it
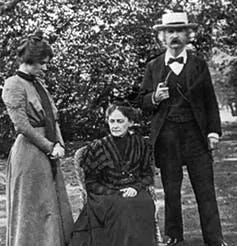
(153, 99)
(213, 135)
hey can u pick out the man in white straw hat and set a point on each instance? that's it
(185, 128)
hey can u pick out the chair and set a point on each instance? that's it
(78, 158)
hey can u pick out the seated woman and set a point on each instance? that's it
(119, 209)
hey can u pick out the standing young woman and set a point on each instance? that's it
(38, 210)
(119, 209)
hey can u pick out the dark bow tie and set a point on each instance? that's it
(179, 60)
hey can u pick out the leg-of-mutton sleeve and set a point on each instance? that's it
(92, 164)
(59, 137)
(146, 173)
(15, 98)
(146, 165)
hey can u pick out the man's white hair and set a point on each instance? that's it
(161, 35)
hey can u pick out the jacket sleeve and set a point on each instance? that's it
(211, 105)
(15, 98)
(146, 91)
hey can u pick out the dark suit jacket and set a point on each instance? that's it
(200, 93)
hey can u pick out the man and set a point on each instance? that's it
(185, 126)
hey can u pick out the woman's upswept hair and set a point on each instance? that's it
(34, 49)
(125, 108)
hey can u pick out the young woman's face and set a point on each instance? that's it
(37, 68)
(118, 123)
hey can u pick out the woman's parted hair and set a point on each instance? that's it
(34, 49)
(125, 108)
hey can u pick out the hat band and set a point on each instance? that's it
(176, 23)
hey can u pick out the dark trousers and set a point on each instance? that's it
(181, 144)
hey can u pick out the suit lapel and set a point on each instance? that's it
(191, 71)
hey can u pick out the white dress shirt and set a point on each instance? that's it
(176, 67)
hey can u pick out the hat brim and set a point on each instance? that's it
(163, 27)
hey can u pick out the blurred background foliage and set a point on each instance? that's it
(101, 49)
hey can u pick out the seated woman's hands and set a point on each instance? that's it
(58, 151)
(128, 192)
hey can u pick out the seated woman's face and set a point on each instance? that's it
(118, 123)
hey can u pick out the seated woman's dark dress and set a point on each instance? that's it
(108, 218)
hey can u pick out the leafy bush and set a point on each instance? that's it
(101, 49)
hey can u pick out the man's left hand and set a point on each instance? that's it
(213, 142)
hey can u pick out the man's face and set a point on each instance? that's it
(176, 38)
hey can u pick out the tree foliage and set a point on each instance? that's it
(101, 49)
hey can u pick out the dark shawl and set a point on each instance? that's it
(108, 218)
(107, 170)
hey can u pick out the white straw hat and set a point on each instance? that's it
(174, 20)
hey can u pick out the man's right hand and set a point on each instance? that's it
(161, 93)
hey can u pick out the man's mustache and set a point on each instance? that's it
(175, 41)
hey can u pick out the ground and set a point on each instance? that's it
(225, 168)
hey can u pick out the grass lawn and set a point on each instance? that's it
(225, 168)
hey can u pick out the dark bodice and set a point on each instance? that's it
(114, 163)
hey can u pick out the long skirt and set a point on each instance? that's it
(116, 221)
(38, 210)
